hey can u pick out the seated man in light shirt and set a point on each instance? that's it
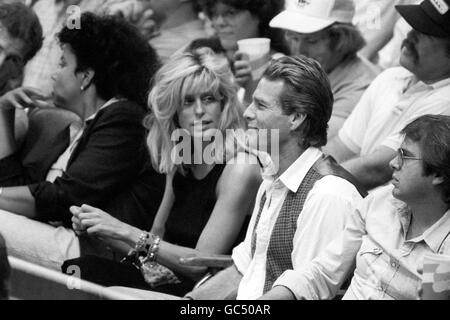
(303, 203)
(371, 135)
(391, 231)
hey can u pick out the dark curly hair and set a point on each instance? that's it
(123, 61)
(308, 92)
(432, 133)
(22, 23)
(265, 10)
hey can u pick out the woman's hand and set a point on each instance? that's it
(76, 222)
(24, 97)
(95, 222)
(242, 69)
(138, 13)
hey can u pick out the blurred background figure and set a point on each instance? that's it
(376, 20)
(178, 24)
(20, 40)
(52, 16)
(234, 20)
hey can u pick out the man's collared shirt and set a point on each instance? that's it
(388, 266)
(394, 100)
(322, 219)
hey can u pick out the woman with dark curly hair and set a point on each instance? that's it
(234, 20)
(104, 75)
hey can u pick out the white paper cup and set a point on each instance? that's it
(258, 49)
(436, 277)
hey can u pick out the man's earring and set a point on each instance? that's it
(82, 88)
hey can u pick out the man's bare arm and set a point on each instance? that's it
(339, 150)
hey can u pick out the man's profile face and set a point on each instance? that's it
(265, 113)
(314, 45)
(11, 58)
(409, 179)
(425, 56)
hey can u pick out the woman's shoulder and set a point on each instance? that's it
(242, 167)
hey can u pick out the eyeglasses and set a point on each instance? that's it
(401, 157)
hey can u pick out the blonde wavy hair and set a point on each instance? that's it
(188, 74)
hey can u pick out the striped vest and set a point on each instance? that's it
(281, 242)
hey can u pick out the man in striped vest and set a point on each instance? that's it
(302, 205)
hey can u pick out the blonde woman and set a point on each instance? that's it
(203, 209)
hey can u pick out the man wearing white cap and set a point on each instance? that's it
(323, 30)
(370, 137)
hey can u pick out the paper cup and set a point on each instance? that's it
(258, 49)
(436, 277)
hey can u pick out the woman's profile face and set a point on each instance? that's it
(200, 114)
(232, 25)
(67, 82)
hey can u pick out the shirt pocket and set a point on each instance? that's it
(369, 257)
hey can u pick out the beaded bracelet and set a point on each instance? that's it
(140, 249)
(141, 245)
(153, 251)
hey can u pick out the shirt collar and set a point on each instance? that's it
(410, 79)
(441, 84)
(436, 235)
(294, 175)
(106, 105)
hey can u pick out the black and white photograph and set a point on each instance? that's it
(229, 157)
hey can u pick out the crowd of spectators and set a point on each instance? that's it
(330, 172)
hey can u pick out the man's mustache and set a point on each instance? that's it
(411, 47)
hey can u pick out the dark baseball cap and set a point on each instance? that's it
(431, 17)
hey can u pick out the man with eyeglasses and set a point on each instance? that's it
(392, 230)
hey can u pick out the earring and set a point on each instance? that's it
(82, 88)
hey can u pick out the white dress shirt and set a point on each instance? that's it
(323, 218)
(394, 100)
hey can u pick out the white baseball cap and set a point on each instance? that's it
(309, 16)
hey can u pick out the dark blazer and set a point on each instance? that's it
(109, 169)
